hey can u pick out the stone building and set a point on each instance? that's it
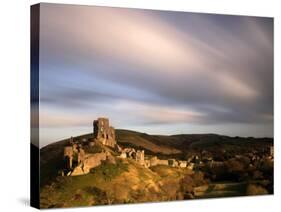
(162, 162)
(123, 155)
(190, 166)
(154, 161)
(173, 162)
(103, 132)
(182, 163)
(140, 157)
(80, 156)
(130, 152)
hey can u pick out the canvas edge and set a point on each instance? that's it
(34, 106)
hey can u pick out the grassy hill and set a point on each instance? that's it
(125, 182)
(176, 146)
(129, 182)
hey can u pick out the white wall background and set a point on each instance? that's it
(14, 102)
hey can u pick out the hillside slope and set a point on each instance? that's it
(152, 143)
(124, 182)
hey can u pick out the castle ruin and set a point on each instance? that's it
(140, 157)
(79, 160)
(103, 132)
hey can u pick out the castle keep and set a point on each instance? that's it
(103, 132)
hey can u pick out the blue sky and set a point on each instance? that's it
(159, 72)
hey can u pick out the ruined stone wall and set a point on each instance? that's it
(154, 161)
(190, 166)
(112, 133)
(173, 162)
(182, 163)
(81, 156)
(163, 162)
(90, 161)
(93, 160)
(123, 155)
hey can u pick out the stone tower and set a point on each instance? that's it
(140, 157)
(103, 132)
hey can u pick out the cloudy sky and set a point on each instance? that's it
(159, 72)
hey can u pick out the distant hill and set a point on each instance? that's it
(177, 144)
(153, 143)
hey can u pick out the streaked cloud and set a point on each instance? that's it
(145, 68)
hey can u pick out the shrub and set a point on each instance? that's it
(235, 166)
(267, 166)
(257, 175)
(170, 189)
(198, 179)
(253, 189)
(100, 196)
(189, 182)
